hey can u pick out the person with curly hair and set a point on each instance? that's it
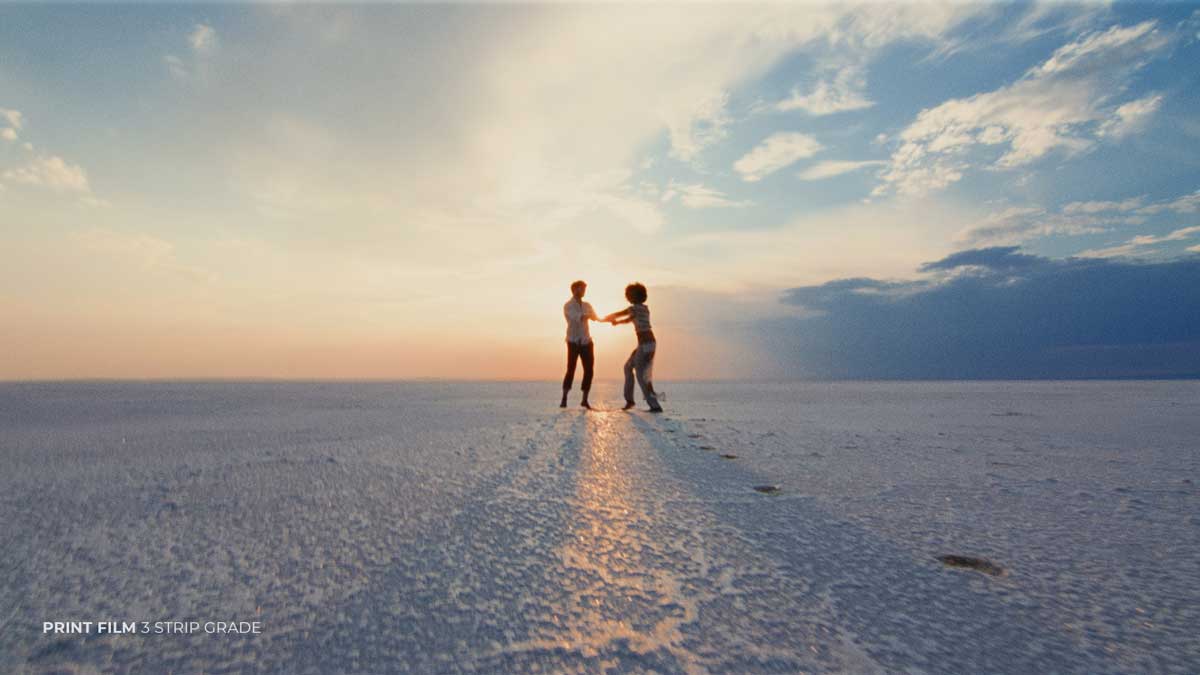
(641, 361)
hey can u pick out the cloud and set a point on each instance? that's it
(202, 45)
(1103, 49)
(856, 37)
(693, 128)
(203, 38)
(1189, 203)
(996, 258)
(831, 168)
(1130, 117)
(11, 122)
(1185, 204)
(51, 172)
(1131, 204)
(998, 313)
(681, 66)
(1017, 225)
(1060, 105)
(1141, 244)
(778, 151)
(696, 196)
(1020, 224)
(843, 92)
(13, 118)
(176, 67)
(1044, 18)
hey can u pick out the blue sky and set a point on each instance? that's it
(371, 190)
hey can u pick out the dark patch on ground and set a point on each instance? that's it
(977, 564)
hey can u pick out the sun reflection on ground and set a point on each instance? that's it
(607, 552)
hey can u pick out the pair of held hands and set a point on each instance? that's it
(613, 320)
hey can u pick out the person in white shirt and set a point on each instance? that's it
(579, 342)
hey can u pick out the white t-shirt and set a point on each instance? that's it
(577, 313)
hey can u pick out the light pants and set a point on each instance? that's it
(641, 363)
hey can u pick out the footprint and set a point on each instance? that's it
(977, 564)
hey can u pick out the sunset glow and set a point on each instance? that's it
(396, 191)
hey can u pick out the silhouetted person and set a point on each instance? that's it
(641, 361)
(579, 342)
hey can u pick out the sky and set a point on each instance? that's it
(407, 191)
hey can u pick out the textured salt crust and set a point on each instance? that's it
(477, 528)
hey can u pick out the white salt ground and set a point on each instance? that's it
(477, 528)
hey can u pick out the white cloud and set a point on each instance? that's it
(1129, 248)
(693, 128)
(1140, 244)
(1130, 117)
(1009, 226)
(51, 172)
(1131, 204)
(1044, 18)
(202, 44)
(203, 38)
(11, 122)
(1186, 204)
(1017, 225)
(1058, 105)
(176, 67)
(1182, 233)
(853, 38)
(1101, 50)
(1020, 224)
(778, 151)
(1189, 203)
(695, 196)
(13, 118)
(831, 168)
(679, 64)
(843, 92)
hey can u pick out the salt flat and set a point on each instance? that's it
(431, 527)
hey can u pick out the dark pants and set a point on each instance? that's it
(588, 356)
